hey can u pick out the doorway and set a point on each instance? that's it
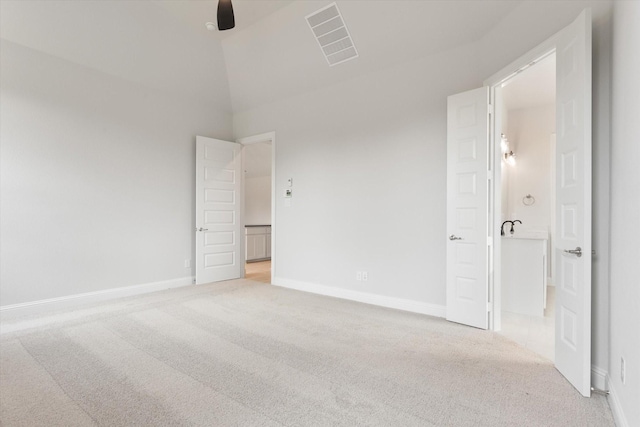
(474, 220)
(527, 102)
(573, 196)
(258, 207)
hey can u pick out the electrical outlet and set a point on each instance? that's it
(622, 370)
(358, 275)
(187, 263)
(365, 276)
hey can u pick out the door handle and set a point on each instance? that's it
(452, 237)
(202, 229)
(577, 251)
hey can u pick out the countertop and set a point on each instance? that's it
(532, 235)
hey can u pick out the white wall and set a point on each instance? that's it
(367, 158)
(97, 177)
(257, 196)
(625, 206)
(529, 133)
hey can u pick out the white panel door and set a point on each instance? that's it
(467, 207)
(573, 203)
(218, 198)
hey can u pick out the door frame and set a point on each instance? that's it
(254, 139)
(532, 57)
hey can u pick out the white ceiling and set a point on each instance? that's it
(534, 87)
(140, 41)
(270, 55)
(196, 13)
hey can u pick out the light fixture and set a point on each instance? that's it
(226, 20)
(510, 158)
(507, 154)
(504, 143)
(210, 26)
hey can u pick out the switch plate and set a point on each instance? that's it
(288, 193)
(359, 275)
(289, 182)
(365, 276)
(187, 263)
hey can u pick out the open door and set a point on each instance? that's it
(218, 224)
(467, 207)
(573, 203)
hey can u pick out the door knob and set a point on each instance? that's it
(202, 229)
(452, 237)
(577, 251)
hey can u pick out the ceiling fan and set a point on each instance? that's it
(226, 20)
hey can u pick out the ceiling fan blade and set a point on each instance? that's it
(226, 20)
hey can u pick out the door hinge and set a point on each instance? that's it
(490, 109)
(489, 307)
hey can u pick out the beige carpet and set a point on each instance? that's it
(243, 353)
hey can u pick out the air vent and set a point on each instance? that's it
(333, 37)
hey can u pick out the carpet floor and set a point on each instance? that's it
(242, 353)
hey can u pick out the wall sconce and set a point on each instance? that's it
(510, 158)
(504, 143)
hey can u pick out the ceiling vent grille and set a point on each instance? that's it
(333, 37)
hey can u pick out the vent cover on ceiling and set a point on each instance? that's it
(333, 37)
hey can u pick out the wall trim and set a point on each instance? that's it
(12, 311)
(616, 408)
(599, 378)
(373, 299)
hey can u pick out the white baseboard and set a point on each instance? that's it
(599, 378)
(616, 409)
(8, 312)
(379, 300)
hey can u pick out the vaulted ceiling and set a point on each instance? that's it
(279, 57)
(270, 55)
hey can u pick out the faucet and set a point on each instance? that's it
(512, 224)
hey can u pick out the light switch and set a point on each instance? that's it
(289, 182)
(287, 193)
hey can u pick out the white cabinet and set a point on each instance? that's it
(524, 273)
(258, 242)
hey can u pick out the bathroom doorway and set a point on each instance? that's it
(527, 206)
(573, 196)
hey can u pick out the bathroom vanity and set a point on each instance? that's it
(524, 278)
